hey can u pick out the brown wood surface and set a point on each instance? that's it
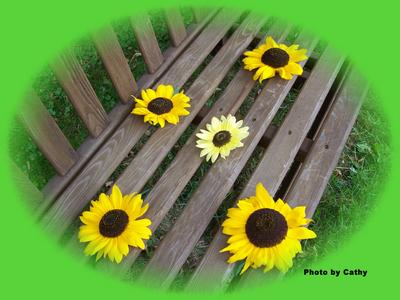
(175, 25)
(46, 134)
(313, 176)
(84, 186)
(115, 62)
(176, 246)
(160, 143)
(80, 92)
(275, 162)
(172, 182)
(310, 184)
(147, 42)
(58, 183)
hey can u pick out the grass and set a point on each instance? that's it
(345, 205)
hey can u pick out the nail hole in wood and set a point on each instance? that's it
(289, 132)
(326, 146)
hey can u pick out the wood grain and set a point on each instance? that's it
(277, 159)
(316, 170)
(80, 92)
(172, 182)
(108, 157)
(58, 183)
(314, 174)
(160, 143)
(115, 62)
(176, 246)
(147, 42)
(46, 134)
(176, 28)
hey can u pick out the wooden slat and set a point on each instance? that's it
(80, 92)
(147, 42)
(176, 246)
(104, 162)
(277, 159)
(32, 196)
(311, 180)
(175, 25)
(115, 62)
(310, 183)
(187, 161)
(158, 146)
(46, 134)
(58, 183)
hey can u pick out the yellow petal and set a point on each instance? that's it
(140, 111)
(270, 43)
(301, 233)
(294, 68)
(116, 197)
(151, 94)
(264, 197)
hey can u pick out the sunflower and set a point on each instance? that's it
(271, 57)
(111, 225)
(161, 105)
(221, 137)
(265, 232)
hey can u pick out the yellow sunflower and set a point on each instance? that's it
(265, 232)
(271, 57)
(161, 105)
(221, 137)
(111, 225)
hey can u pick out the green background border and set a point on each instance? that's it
(33, 266)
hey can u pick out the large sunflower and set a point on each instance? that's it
(271, 57)
(265, 232)
(221, 137)
(162, 105)
(111, 225)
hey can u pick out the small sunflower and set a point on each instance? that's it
(161, 105)
(271, 57)
(221, 137)
(111, 225)
(265, 232)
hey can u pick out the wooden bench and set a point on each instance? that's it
(298, 157)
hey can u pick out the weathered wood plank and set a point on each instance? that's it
(46, 134)
(158, 146)
(187, 161)
(80, 92)
(115, 62)
(147, 41)
(58, 183)
(286, 143)
(176, 246)
(103, 163)
(310, 183)
(314, 174)
(175, 25)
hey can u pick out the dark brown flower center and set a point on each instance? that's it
(113, 223)
(160, 106)
(221, 138)
(275, 58)
(266, 228)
